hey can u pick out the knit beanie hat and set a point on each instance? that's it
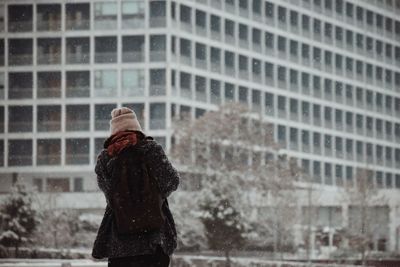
(123, 119)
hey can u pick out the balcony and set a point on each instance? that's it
(78, 58)
(105, 57)
(20, 59)
(158, 55)
(20, 18)
(49, 59)
(48, 126)
(78, 25)
(158, 22)
(132, 56)
(78, 91)
(77, 159)
(20, 93)
(48, 17)
(105, 23)
(77, 125)
(20, 126)
(133, 21)
(49, 159)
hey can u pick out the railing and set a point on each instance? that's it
(78, 91)
(157, 56)
(105, 24)
(156, 89)
(48, 126)
(77, 158)
(43, 92)
(201, 96)
(20, 126)
(186, 93)
(216, 67)
(216, 4)
(157, 22)
(78, 24)
(133, 56)
(20, 26)
(132, 23)
(105, 57)
(77, 125)
(102, 124)
(19, 160)
(201, 63)
(78, 58)
(19, 93)
(45, 59)
(20, 59)
(49, 25)
(50, 159)
(201, 31)
(186, 60)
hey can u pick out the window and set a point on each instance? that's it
(105, 49)
(229, 28)
(77, 117)
(157, 13)
(157, 82)
(48, 118)
(133, 82)
(269, 10)
(48, 152)
(200, 86)
(20, 85)
(19, 119)
(133, 48)
(282, 15)
(105, 16)
(102, 116)
(105, 83)
(269, 40)
(229, 92)
(77, 151)
(157, 47)
(19, 152)
(157, 116)
(132, 14)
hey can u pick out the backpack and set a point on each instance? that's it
(136, 201)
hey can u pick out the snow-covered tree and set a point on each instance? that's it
(18, 219)
(226, 150)
(367, 213)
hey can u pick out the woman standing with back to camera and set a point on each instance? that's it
(136, 178)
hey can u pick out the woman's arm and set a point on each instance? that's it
(161, 168)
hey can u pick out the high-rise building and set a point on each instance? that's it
(326, 73)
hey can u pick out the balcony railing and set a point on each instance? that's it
(77, 125)
(157, 89)
(78, 58)
(54, 25)
(186, 93)
(43, 92)
(158, 22)
(77, 158)
(20, 126)
(83, 24)
(105, 57)
(45, 59)
(49, 159)
(157, 56)
(201, 63)
(216, 67)
(20, 26)
(186, 60)
(48, 126)
(102, 124)
(133, 56)
(19, 160)
(78, 91)
(105, 24)
(201, 96)
(19, 93)
(17, 60)
(133, 22)
(105, 92)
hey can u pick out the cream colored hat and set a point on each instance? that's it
(123, 119)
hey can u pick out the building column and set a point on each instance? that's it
(394, 229)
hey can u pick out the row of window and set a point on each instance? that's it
(338, 147)
(48, 151)
(78, 16)
(310, 28)
(78, 83)
(77, 117)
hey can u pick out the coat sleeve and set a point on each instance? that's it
(102, 180)
(161, 168)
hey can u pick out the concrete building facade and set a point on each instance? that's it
(326, 73)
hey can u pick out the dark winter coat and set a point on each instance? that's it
(110, 244)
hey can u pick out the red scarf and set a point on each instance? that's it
(121, 140)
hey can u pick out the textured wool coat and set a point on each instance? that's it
(110, 244)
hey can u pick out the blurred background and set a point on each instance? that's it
(318, 83)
